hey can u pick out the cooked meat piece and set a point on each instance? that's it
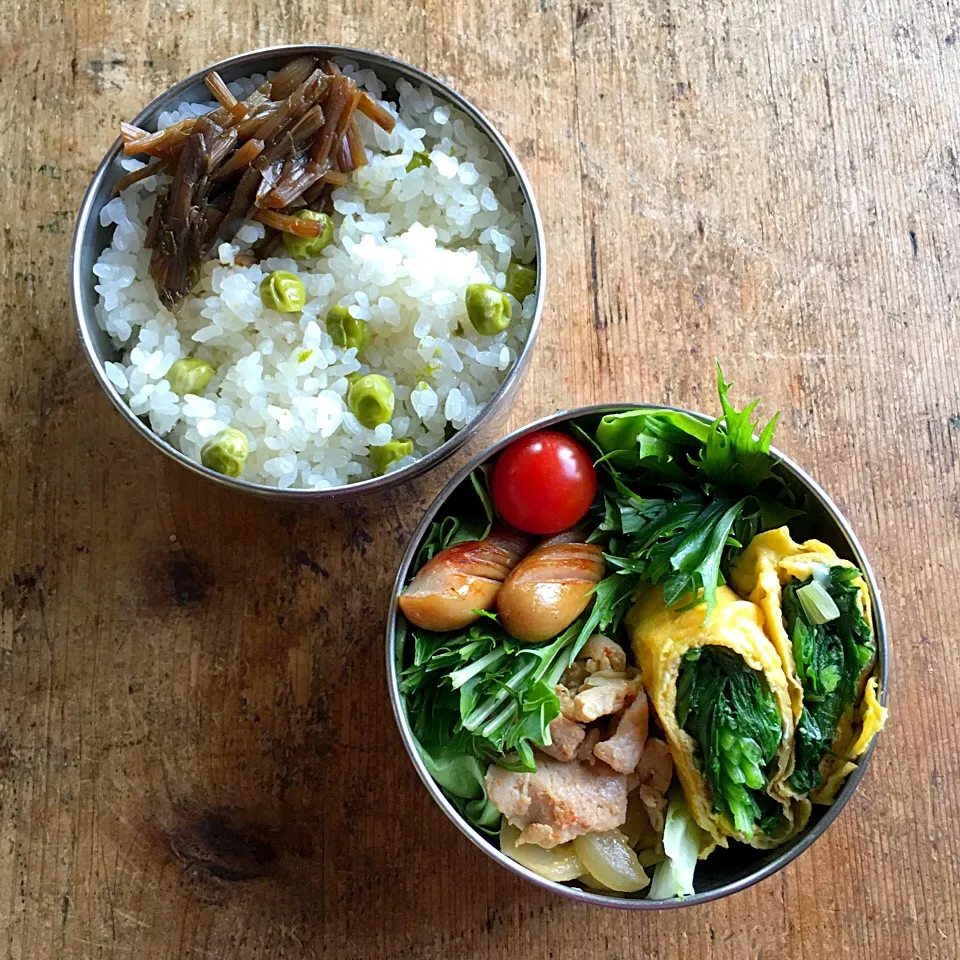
(602, 699)
(574, 676)
(560, 801)
(566, 700)
(585, 750)
(655, 768)
(449, 589)
(567, 737)
(623, 750)
(602, 653)
(655, 771)
(549, 589)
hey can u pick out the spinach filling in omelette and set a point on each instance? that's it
(730, 712)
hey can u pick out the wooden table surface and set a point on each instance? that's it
(197, 756)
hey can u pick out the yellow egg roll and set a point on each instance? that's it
(660, 637)
(771, 561)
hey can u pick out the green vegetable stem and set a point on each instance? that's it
(729, 710)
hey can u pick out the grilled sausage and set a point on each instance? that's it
(462, 579)
(549, 589)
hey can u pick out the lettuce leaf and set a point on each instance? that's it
(681, 845)
(659, 441)
(461, 776)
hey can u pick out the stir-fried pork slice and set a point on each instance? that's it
(602, 653)
(566, 701)
(560, 801)
(655, 768)
(574, 676)
(655, 771)
(601, 697)
(585, 750)
(566, 738)
(623, 750)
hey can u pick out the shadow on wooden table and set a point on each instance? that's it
(246, 773)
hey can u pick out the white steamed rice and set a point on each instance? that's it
(406, 245)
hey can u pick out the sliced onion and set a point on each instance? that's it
(611, 861)
(558, 863)
(817, 604)
(637, 827)
(651, 857)
(591, 884)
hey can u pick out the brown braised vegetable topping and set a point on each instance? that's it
(283, 148)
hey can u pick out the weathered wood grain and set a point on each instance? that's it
(196, 756)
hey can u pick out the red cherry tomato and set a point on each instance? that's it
(544, 482)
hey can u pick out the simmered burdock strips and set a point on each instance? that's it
(284, 147)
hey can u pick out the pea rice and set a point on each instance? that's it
(406, 245)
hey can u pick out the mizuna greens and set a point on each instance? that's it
(684, 494)
(830, 658)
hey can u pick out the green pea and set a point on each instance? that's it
(300, 248)
(389, 453)
(521, 280)
(345, 330)
(283, 291)
(189, 375)
(371, 400)
(420, 159)
(488, 308)
(226, 453)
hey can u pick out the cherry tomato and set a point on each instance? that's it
(544, 482)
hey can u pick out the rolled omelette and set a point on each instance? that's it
(771, 561)
(661, 638)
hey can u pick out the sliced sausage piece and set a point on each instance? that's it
(549, 589)
(462, 579)
(560, 801)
